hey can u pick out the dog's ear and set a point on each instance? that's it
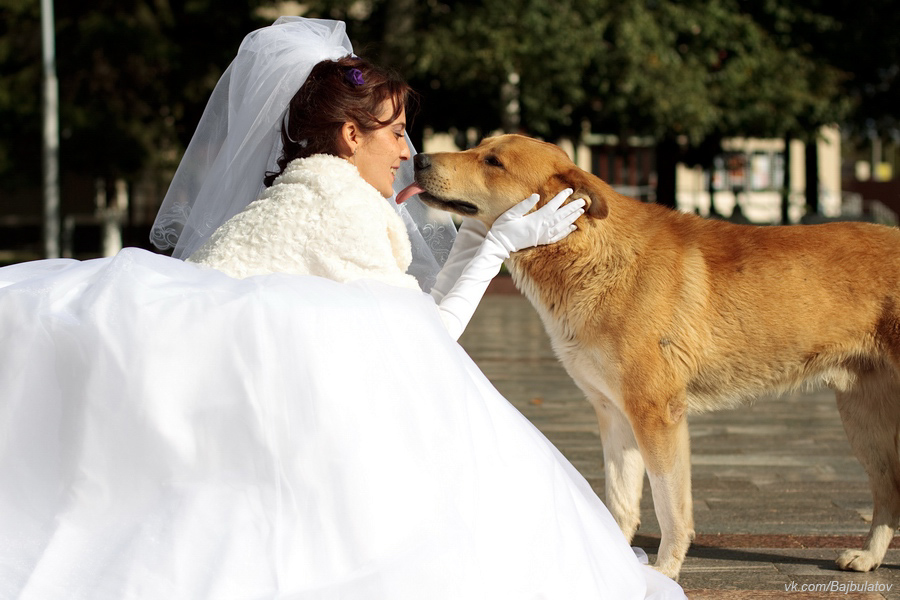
(592, 189)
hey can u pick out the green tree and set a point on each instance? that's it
(813, 88)
(860, 39)
(515, 65)
(688, 73)
(20, 92)
(703, 71)
(134, 76)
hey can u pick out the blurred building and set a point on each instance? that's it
(751, 174)
(746, 182)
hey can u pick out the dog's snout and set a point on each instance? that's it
(422, 161)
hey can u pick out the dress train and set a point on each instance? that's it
(171, 432)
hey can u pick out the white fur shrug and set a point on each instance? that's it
(320, 217)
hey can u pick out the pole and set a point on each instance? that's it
(812, 178)
(51, 133)
(786, 182)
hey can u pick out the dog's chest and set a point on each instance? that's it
(590, 365)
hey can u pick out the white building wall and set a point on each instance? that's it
(764, 206)
(760, 206)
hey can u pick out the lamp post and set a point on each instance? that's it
(51, 133)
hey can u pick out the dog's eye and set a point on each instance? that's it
(493, 161)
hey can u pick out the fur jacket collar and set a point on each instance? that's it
(320, 217)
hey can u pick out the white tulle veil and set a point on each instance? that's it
(238, 139)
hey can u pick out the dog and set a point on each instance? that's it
(656, 314)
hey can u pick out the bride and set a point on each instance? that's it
(283, 414)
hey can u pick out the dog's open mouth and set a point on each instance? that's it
(458, 206)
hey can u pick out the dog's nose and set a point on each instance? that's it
(422, 161)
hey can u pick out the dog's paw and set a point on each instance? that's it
(857, 560)
(670, 571)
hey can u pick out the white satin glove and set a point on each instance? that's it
(468, 239)
(512, 231)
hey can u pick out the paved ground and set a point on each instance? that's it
(777, 492)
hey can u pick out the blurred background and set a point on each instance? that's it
(764, 111)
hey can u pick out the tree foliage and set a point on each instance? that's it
(687, 73)
(133, 78)
(469, 59)
(135, 74)
(660, 68)
(860, 39)
(20, 91)
(701, 69)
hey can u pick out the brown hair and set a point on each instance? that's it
(350, 89)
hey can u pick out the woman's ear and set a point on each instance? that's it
(594, 191)
(349, 140)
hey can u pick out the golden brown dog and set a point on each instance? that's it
(656, 314)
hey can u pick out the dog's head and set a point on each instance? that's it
(500, 172)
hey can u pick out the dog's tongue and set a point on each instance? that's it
(410, 190)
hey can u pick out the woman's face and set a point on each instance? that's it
(381, 152)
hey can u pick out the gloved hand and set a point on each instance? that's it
(512, 231)
(468, 239)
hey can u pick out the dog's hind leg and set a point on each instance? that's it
(870, 412)
(623, 466)
(662, 434)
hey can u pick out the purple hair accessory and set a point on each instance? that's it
(355, 76)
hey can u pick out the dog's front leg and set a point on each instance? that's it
(623, 466)
(662, 434)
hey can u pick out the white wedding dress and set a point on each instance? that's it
(170, 432)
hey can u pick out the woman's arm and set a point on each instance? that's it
(468, 240)
(512, 231)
